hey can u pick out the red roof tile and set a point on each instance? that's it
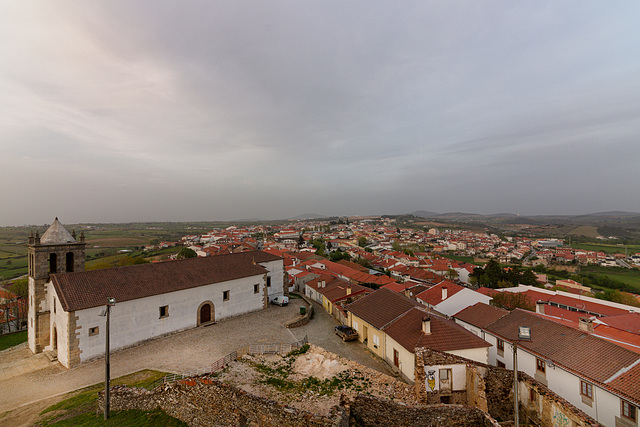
(481, 314)
(381, 307)
(86, 289)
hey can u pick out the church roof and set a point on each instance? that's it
(86, 289)
(56, 234)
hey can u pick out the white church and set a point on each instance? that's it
(65, 302)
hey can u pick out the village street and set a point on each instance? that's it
(26, 378)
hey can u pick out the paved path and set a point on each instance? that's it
(180, 352)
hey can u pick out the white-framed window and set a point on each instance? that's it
(355, 325)
(376, 340)
(586, 389)
(629, 411)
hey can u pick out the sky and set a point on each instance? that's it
(119, 111)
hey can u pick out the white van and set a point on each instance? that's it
(280, 300)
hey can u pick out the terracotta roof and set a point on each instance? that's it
(381, 307)
(86, 289)
(481, 314)
(628, 383)
(629, 322)
(445, 334)
(575, 350)
(433, 295)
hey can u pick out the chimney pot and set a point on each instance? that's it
(444, 293)
(426, 325)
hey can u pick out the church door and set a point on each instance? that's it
(205, 313)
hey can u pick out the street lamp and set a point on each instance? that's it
(106, 312)
(524, 334)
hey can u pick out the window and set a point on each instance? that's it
(93, 331)
(396, 358)
(540, 365)
(256, 289)
(54, 305)
(500, 345)
(532, 395)
(268, 281)
(586, 389)
(501, 364)
(355, 325)
(225, 296)
(376, 341)
(628, 411)
(164, 311)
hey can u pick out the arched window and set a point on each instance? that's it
(53, 263)
(69, 262)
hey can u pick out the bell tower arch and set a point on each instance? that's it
(56, 252)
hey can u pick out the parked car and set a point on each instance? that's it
(280, 300)
(346, 333)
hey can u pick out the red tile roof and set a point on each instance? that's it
(381, 307)
(445, 334)
(86, 289)
(481, 314)
(581, 353)
(433, 295)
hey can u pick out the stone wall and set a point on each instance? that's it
(204, 401)
(547, 408)
(307, 316)
(499, 392)
(368, 411)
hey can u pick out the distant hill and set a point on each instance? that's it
(424, 214)
(308, 216)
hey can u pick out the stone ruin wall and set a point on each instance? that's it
(204, 401)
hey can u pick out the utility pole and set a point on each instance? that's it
(110, 302)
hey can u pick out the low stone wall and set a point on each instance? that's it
(307, 316)
(369, 411)
(204, 401)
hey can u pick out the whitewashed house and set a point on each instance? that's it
(65, 302)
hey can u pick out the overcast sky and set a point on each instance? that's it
(114, 111)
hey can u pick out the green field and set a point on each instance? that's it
(80, 407)
(629, 277)
(606, 248)
(10, 340)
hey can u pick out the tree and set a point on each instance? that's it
(362, 241)
(512, 300)
(452, 274)
(186, 252)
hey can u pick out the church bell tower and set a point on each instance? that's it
(57, 251)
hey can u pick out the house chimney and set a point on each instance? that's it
(444, 293)
(585, 324)
(322, 283)
(349, 289)
(540, 307)
(426, 325)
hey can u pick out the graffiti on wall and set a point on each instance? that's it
(431, 380)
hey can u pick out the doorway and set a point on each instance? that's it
(206, 313)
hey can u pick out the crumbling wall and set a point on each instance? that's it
(539, 406)
(369, 411)
(207, 402)
(499, 392)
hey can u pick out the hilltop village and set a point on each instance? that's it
(403, 290)
(435, 306)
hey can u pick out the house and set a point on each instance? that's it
(393, 326)
(598, 377)
(154, 299)
(417, 328)
(369, 315)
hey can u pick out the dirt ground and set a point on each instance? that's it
(349, 379)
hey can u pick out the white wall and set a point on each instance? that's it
(458, 374)
(476, 354)
(605, 406)
(138, 320)
(461, 300)
(276, 272)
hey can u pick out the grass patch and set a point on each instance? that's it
(10, 340)
(606, 248)
(133, 418)
(81, 405)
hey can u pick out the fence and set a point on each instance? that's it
(219, 365)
